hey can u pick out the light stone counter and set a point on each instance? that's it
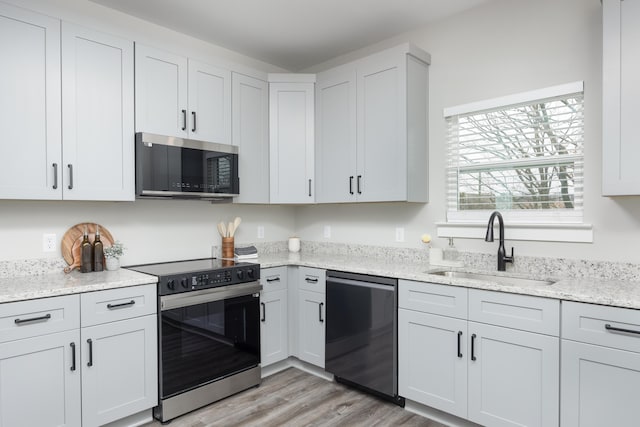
(619, 293)
(20, 288)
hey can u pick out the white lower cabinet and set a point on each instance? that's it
(39, 381)
(311, 327)
(491, 374)
(600, 365)
(274, 319)
(57, 371)
(119, 373)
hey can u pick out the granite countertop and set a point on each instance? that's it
(49, 285)
(617, 293)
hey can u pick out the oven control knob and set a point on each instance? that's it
(171, 284)
(184, 282)
(250, 273)
(240, 274)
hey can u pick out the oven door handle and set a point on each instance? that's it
(169, 302)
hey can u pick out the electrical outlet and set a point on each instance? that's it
(48, 242)
(260, 232)
(327, 232)
(400, 234)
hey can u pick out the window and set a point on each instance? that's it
(521, 155)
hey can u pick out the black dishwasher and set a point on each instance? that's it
(361, 333)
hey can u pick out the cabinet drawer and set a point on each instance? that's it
(433, 298)
(31, 318)
(524, 312)
(118, 304)
(312, 279)
(588, 323)
(273, 279)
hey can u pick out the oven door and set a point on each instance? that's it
(207, 335)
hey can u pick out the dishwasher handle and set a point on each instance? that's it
(350, 282)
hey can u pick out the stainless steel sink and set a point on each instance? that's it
(506, 280)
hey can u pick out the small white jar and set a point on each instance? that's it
(294, 244)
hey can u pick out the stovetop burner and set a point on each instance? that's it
(195, 274)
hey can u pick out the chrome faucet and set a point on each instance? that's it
(503, 259)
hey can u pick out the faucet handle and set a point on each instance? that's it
(509, 258)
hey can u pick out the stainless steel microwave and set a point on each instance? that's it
(171, 167)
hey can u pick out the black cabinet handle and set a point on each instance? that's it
(122, 305)
(73, 356)
(70, 166)
(309, 188)
(184, 119)
(358, 182)
(32, 319)
(351, 185)
(193, 114)
(320, 312)
(311, 280)
(275, 279)
(608, 327)
(473, 347)
(55, 176)
(459, 344)
(90, 362)
(264, 312)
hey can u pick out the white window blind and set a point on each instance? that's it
(521, 155)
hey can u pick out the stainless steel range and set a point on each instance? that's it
(209, 332)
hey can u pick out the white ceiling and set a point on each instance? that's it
(292, 34)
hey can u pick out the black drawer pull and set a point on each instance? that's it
(122, 305)
(90, 362)
(73, 356)
(33, 319)
(359, 178)
(473, 347)
(184, 119)
(351, 185)
(193, 114)
(320, 312)
(264, 312)
(275, 279)
(311, 280)
(608, 327)
(459, 344)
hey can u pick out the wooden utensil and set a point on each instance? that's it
(221, 229)
(229, 229)
(236, 224)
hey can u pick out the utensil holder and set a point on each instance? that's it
(227, 247)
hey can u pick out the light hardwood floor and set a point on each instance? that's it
(296, 398)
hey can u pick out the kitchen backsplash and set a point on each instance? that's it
(535, 266)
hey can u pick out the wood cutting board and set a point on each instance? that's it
(72, 239)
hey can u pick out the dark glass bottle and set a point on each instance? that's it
(98, 252)
(86, 255)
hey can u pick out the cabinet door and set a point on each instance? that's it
(274, 327)
(513, 380)
(29, 105)
(39, 384)
(432, 354)
(291, 142)
(620, 103)
(209, 103)
(251, 135)
(382, 128)
(161, 92)
(119, 369)
(311, 330)
(599, 386)
(97, 113)
(336, 136)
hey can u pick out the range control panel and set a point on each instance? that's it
(186, 282)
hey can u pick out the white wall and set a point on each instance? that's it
(498, 48)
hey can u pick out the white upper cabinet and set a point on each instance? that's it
(372, 128)
(620, 103)
(29, 105)
(97, 115)
(177, 96)
(336, 136)
(209, 103)
(291, 138)
(250, 101)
